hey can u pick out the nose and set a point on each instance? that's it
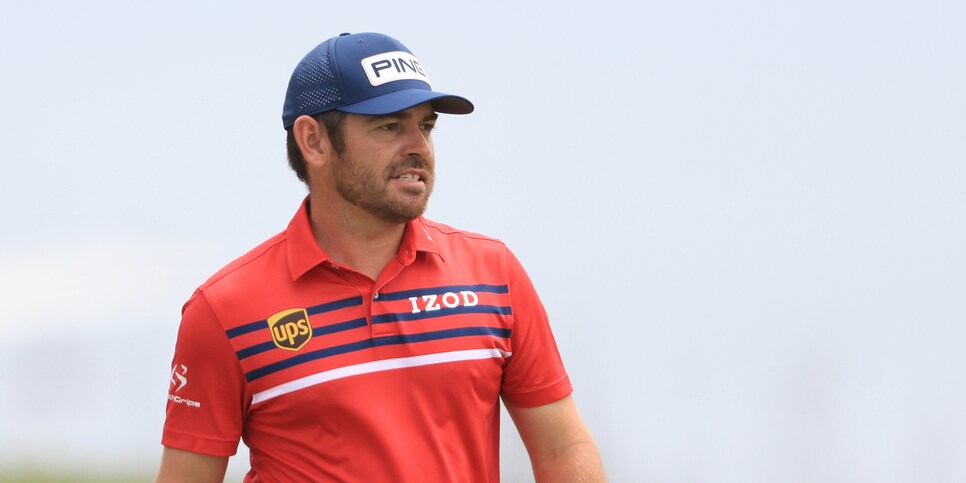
(419, 142)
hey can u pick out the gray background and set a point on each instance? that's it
(746, 218)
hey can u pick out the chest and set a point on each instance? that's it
(326, 331)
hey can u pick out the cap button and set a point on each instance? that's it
(343, 34)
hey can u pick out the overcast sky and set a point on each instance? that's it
(746, 218)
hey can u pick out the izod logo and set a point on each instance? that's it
(290, 329)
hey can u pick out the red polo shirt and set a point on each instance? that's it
(327, 375)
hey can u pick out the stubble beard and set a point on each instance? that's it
(369, 190)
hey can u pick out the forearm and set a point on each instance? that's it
(576, 462)
(179, 466)
(561, 447)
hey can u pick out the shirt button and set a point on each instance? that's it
(376, 296)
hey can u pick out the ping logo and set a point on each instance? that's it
(290, 329)
(393, 66)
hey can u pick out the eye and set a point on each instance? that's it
(428, 127)
(392, 126)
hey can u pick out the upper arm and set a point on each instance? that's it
(561, 447)
(208, 396)
(534, 374)
(187, 467)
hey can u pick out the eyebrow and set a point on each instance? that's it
(401, 115)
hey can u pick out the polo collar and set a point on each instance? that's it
(304, 252)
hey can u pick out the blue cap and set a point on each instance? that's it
(365, 73)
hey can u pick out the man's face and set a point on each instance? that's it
(387, 166)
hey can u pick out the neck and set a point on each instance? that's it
(354, 238)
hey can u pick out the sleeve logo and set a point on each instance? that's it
(179, 377)
(290, 329)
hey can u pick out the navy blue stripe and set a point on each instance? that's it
(405, 294)
(255, 349)
(445, 311)
(316, 331)
(318, 309)
(369, 343)
(341, 326)
(308, 356)
(442, 334)
(244, 329)
(338, 304)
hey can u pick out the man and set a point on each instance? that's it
(365, 342)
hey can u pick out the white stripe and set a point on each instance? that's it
(377, 366)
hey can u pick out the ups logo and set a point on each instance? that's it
(290, 329)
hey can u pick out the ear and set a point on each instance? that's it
(313, 141)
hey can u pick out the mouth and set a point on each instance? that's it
(409, 177)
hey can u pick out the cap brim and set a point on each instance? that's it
(406, 98)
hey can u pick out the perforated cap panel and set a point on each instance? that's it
(315, 82)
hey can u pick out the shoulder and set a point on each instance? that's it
(254, 262)
(238, 292)
(470, 250)
(445, 234)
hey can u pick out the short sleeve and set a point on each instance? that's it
(207, 399)
(534, 375)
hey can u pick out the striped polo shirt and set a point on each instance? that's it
(329, 375)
